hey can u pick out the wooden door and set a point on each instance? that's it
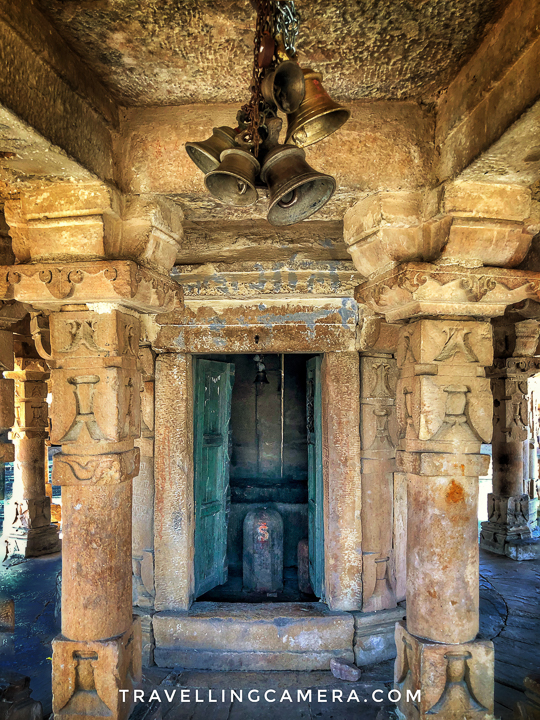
(213, 389)
(315, 476)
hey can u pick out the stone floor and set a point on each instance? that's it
(510, 614)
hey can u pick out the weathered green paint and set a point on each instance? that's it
(213, 390)
(315, 476)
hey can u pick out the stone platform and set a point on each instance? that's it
(221, 636)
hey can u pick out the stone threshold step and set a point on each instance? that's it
(261, 636)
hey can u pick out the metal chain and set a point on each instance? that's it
(252, 110)
(288, 25)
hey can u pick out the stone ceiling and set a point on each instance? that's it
(174, 52)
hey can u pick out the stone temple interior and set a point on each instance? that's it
(275, 426)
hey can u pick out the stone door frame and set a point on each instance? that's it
(174, 509)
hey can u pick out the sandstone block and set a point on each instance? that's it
(374, 639)
(6, 350)
(88, 675)
(88, 334)
(95, 407)
(284, 636)
(456, 681)
(487, 242)
(7, 403)
(95, 469)
(344, 670)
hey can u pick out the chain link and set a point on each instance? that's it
(288, 25)
(252, 111)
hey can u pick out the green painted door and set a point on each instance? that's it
(213, 389)
(315, 476)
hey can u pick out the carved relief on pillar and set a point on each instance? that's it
(448, 681)
(443, 399)
(378, 432)
(143, 494)
(96, 386)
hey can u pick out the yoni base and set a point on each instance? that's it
(87, 676)
(450, 682)
(33, 542)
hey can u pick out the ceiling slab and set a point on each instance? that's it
(173, 52)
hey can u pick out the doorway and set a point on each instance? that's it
(257, 444)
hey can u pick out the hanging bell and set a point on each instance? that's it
(206, 154)
(296, 189)
(233, 182)
(285, 86)
(318, 115)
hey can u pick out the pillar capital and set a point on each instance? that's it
(471, 223)
(123, 283)
(92, 221)
(415, 289)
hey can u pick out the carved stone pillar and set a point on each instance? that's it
(444, 408)
(511, 528)
(412, 245)
(30, 532)
(378, 438)
(80, 268)
(382, 513)
(95, 417)
(143, 509)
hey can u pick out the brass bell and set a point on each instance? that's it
(285, 86)
(296, 189)
(233, 182)
(206, 154)
(318, 115)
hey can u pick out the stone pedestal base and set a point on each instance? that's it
(374, 636)
(450, 682)
(33, 542)
(87, 676)
(512, 528)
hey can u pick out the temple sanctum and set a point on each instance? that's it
(264, 318)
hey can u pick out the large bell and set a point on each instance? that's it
(233, 182)
(296, 189)
(285, 86)
(206, 154)
(317, 116)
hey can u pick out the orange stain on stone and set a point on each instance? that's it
(455, 493)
